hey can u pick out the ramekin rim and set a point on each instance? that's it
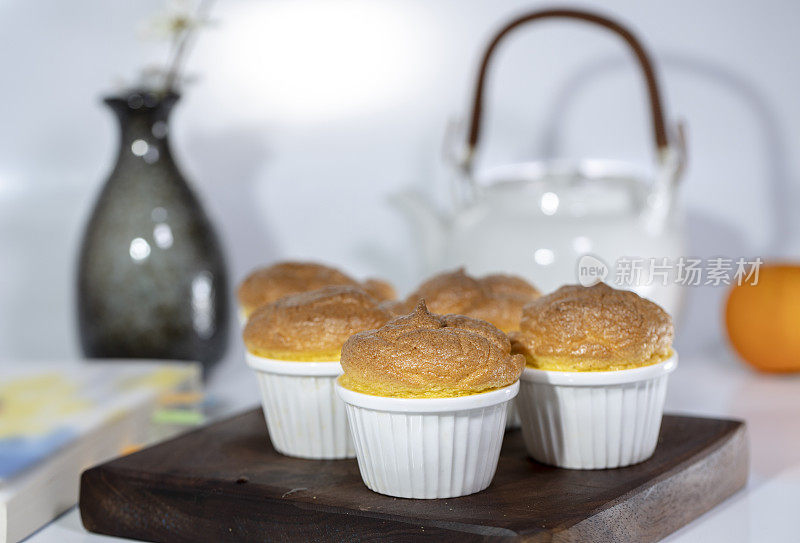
(292, 367)
(601, 378)
(428, 405)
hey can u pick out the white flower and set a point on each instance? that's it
(177, 25)
(180, 16)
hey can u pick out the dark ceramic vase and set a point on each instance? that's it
(152, 281)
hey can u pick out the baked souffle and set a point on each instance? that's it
(265, 285)
(423, 355)
(312, 326)
(595, 328)
(497, 298)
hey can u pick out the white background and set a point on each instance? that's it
(307, 115)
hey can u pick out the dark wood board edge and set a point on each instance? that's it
(112, 498)
(683, 494)
(124, 516)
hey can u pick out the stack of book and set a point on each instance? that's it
(58, 419)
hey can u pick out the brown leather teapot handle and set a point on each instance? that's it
(657, 113)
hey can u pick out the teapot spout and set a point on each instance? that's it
(428, 225)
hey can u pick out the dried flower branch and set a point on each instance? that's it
(179, 25)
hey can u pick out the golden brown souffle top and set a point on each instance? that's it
(495, 298)
(312, 326)
(595, 328)
(265, 285)
(422, 355)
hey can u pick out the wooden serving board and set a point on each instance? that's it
(225, 482)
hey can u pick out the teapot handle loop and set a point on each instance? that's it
(644, 62)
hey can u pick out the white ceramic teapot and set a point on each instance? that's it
(541, 219)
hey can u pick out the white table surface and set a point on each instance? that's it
(713, 385)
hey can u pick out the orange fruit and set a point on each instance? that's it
(763, 318)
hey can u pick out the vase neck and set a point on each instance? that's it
(143, 122)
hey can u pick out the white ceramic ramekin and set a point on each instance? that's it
(593, 419)
(305, 417)
(428, 448)
(512, 416)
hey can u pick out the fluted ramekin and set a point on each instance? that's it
(428, 448)
(593, 419)
(305, 417)
(512, 416)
